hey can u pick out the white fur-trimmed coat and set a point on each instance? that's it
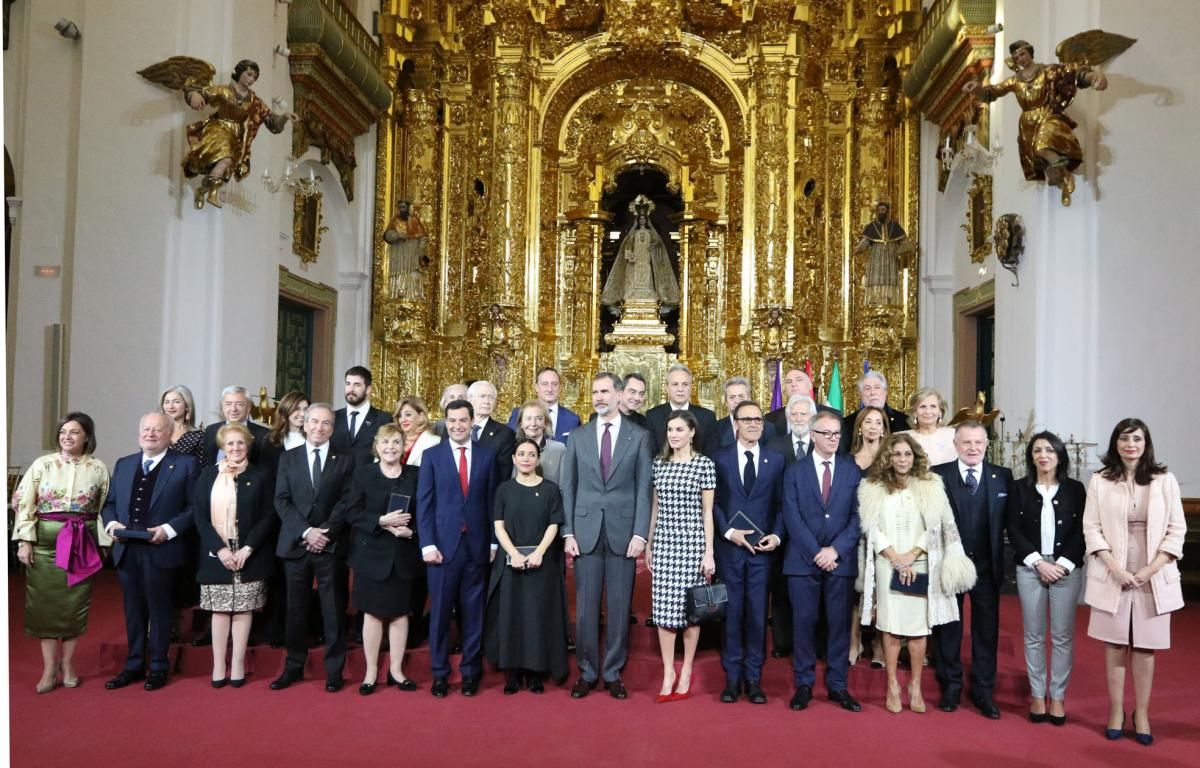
(951, 572)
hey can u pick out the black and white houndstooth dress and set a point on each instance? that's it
(678, 536)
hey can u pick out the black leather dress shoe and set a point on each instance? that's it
(845, 701)
(779, 653)
(616, 689)
(536, 685)
(755, 694)
(729, 694)
(512, 684)
(948, 702)
(801, 698)
(987, 707)
(334, 684)
(470, 686)
(440, 687)
(155, 680)
(123, 679)
(582, 688)
(287, 678)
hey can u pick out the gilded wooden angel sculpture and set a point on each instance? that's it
(218, 146)
(1048, 148)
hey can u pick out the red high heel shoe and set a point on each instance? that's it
(681, 695)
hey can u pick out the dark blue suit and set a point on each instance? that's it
(809, 524)
(461, 528)
(567, 420)
(147, 570)
(745, 575)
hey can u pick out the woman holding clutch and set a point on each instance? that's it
(384, 554)
(234, 510)
(527, 599)
(919, 563)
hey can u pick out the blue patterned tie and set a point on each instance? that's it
(972, 483)
(146, 466)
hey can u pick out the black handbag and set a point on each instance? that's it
(707, 602)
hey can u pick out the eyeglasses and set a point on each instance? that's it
(750, 419)
(827, 434)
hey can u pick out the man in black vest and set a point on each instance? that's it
(979, 493)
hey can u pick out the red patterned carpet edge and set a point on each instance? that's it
(190, 724)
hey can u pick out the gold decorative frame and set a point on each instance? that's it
(307, 228)
(979, 219)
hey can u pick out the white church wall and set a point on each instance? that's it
(1095, 331)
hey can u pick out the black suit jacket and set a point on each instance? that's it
(502, 441)
(1025, 520)
(997, 483)
(258, 431)
(359, 447)
(783, 444)
(256, 524)
(779, 420)
(706, 427)
(300, 507)
(374, 552)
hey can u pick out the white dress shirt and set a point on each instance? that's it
(616, 429)
(820, 465)
(362, 409)
(962, 472)
(741, 449)
(154, 462)
(1048, 523)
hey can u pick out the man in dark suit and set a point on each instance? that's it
(309, 493)
(737, 390)
(354, 426)
(150, 493)
(454, 523)
(793, 443)
(679, 396)
(605, 475)
(235, 407)
(497, 437)
(872, 391)
(548, 383)
(749, 481)
(633, 397)
(980, 493)
(795, 382)
(820, 531)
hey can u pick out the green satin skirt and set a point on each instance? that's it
(52, 609)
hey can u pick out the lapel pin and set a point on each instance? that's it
(170, 466)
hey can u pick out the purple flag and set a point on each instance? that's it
(777, 390)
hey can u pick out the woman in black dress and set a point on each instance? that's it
(186, 438)
(527, 601)
(384, 554)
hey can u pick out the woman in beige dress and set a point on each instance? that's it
(1133, 528)
(910, 534)
(55, 508)
(927, 410)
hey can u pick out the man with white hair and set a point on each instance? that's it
(795, 382)
(487, 431)
(235, 408)
(872, 391)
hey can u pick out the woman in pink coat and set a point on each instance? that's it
(1133, 528)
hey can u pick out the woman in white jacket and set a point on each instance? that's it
(918, 561)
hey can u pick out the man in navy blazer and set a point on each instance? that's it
(980, 493)
(454, 523)
(820, 532)
(150, 493)
(737, 390)
(749, 481)
(548, 384)
(355, 425)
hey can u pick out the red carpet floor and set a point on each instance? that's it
(190, 724)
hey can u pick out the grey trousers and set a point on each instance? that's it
(607, 574)
(1062, 597)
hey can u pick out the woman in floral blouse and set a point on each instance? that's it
(56, 505)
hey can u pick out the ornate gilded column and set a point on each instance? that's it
(838, 164)
(582, 236)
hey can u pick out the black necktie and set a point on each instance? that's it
(748, 475)
(353, 420)
(316, 468)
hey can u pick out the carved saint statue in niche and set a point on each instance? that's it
(642, 272)
(886, 243)
(406, 240)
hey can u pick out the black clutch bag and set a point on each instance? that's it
(128, 534)
(707, 602)
(919, 586)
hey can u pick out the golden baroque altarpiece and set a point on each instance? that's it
(777, 124)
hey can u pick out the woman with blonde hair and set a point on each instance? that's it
(927, 412)
(918, 564)
(413, 418)
(187, 437)
(533, 422)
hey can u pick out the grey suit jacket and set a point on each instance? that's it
(622, 504)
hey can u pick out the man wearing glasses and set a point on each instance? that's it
(820, 533)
